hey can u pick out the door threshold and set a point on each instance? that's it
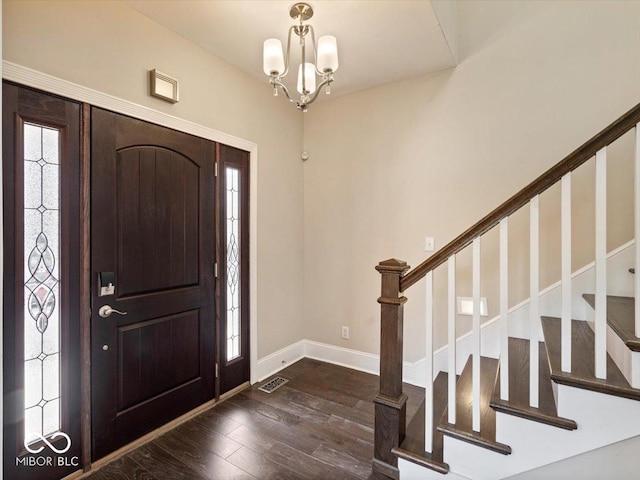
(156, 433)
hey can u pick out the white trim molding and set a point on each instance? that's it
(345, 357)
(48, 83)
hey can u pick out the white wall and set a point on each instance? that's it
(432, 155)
(110, 47)
(619, 460)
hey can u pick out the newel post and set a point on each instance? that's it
(390, 403)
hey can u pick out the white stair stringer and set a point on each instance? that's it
(602, 420)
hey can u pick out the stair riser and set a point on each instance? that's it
(411, 471)
(627, 361)
(602, 420)
(606, 418)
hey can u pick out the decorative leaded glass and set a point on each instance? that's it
(233, 262)
(41, 281)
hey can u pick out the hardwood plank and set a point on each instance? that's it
(292, 407)
(413, 446)
(255, 440)
(343, 460)
(350, 428)
(253, 463)
(124, 468)
(155, 459)
(582, 361)
(268, 426)
(355, 414)
(213, 420)
(96, 475)
(518, 403)
(462, 430)
(200, 453)
(620, 317)
(273, 413)
(338, 438)
(289, 434)
(221, 445)
(305, 465)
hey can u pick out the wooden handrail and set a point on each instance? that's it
(572, 161)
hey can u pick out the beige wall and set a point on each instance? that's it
(110, 47)
(431, 155)
(388, 166)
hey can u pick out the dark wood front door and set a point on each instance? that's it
(153, 255)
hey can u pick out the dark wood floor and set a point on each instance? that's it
(317, 426)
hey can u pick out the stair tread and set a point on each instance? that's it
(412, 448)
(583, 361)
(620, 317)
(518, 403)
(463, 429)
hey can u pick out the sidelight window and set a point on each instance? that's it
(41, 147)
(233, 262)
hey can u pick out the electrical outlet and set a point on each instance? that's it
(429, 244)
(345, 333)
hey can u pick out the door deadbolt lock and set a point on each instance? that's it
(106, 283)
(106, 311)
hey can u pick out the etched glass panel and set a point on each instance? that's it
(41, 281)
(233, 262)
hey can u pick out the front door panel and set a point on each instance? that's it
(153, 204)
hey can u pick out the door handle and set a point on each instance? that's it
(106, 311)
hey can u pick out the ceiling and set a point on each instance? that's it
(378, 41)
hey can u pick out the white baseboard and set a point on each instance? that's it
(345, 357)
(276, 361)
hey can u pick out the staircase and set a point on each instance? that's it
(565, 387)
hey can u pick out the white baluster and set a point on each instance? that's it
(451, 339)
(601, 265)
(637, 229)
(475, 349)
(534, 309)
(504, 309)
(566, 274)
(428, 397)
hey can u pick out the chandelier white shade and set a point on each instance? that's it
(309, 84)
(327, 53)
(275, 62)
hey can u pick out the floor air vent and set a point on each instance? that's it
(273, 384)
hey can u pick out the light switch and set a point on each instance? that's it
(429, 244)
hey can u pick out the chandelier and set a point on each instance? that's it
(325, 60)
